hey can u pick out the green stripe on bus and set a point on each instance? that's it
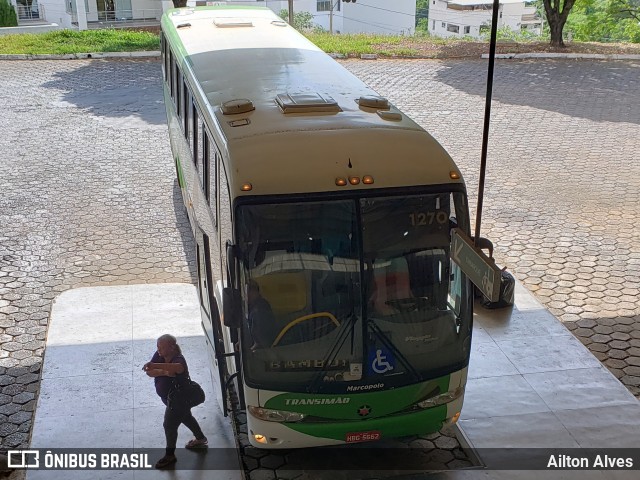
(171, 33)
(220, 7)
(347, 406)
(420, 423)
(179, 172)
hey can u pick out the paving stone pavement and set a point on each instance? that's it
(89, 197)
(562, 198)
(86, 170)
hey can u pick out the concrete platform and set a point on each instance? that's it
(93, 392)
(532, 384)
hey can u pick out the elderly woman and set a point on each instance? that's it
(168, 363)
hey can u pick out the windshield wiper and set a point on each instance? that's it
(333, 351)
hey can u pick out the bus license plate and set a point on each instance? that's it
(363, 436)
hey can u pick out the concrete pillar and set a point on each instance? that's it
(81, 11)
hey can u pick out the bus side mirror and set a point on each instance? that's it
(231, 263)
(231, 307)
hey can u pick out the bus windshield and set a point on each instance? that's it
(342, 294)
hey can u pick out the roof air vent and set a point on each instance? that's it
(232, 22)
(391, 116)
(182, 12)
(374, 101)
(237, 106)
(307, 103)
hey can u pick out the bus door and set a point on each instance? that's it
(225, 230)
(211, 320)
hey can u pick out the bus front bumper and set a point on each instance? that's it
(264, 434)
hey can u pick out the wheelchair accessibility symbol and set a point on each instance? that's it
(381, 361)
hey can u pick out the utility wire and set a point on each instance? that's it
(380, 25)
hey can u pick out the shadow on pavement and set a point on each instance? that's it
(612, 89)
(103, 89)
(184, 228)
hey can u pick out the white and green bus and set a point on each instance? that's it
(322, 216)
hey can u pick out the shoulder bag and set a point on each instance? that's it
(184, 394)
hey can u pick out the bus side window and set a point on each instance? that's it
(178, 92)
(214, 160)
(185, 108)
(203, 166)
(225, 216)
(172, 74)
(195, 141)
(163, 54)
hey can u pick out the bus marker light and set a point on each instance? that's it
(455, 418)
(341, 182)
(246, 187)
(367, 179)
(354, 180)
(260, 438)
(454, 175)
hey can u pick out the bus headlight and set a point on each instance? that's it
(441, 399)
(275, 415)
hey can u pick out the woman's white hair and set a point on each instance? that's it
(171, 340)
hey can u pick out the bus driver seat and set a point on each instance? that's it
(391, 282)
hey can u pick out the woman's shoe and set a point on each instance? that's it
(166, 461)
(197, 443)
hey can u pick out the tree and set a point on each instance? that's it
(557, 13)
(604, 21)
(422, 10)
(628, 8)
(8, 17)
(301, 20)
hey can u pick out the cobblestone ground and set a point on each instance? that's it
(89, 198)
(438, 451)
(562, 198)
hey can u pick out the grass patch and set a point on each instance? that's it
(71, 41)
(357, 44)
(353, 45)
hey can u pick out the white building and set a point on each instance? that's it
(371, 16)
(459, 18)
(84, 14)
(397, 17)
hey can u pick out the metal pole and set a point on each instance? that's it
(487, 116)
(291, 12)
(331, 20)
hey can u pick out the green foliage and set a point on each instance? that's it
(72, 41)
(422, 26)
(422, 14)
(8, 17)
(302, 21)
(626, 8)
(359, 43)
(507, 34)
(603, 21)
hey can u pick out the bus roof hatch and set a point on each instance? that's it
(306, 103)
